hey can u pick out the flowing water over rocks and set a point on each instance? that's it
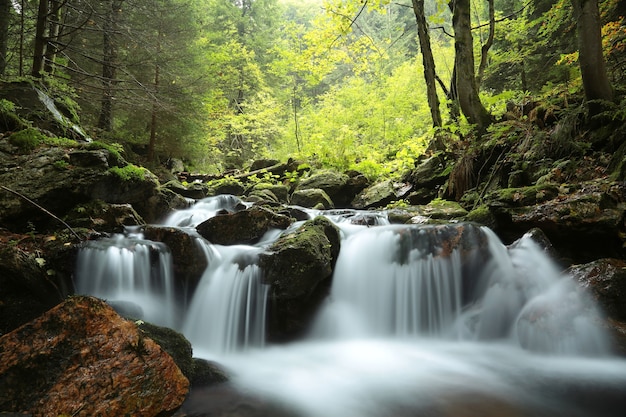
(419, 321)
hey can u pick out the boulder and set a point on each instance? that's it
(380, 194)
(312, 198)
(104, 217)
(429, 173)
(26, 290)
(188, 257)
(334, 184)
(246, 226)
(279, 191)
(60, 179)
(195, 190)
(298, 267)
(594, 210)
(81, 358)
(605, 279)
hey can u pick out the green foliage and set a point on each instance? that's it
(6, 106)
(129, 173)
(27, 140)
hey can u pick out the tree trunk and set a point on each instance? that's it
(428, 62)
(590, 58)
(5, 16)
(54, 28)
(109, 56)
(484, 50)
(40, 38)
(466, 86)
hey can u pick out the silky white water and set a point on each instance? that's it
(414, 325)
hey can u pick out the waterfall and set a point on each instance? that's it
(131, 273)
(228, 309)
(420, 320)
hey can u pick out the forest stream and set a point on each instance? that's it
(415, 323)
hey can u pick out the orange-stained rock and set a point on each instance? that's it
(83, 359)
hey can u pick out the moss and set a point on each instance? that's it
(129, 173)
(27, 140)
(525, 195)
(226, 185)
(115, 150)
(481, 215)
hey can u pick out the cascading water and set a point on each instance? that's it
(420, 321)
(131, 273)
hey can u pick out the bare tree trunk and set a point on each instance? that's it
(590, 58)
(40, 38)
(5, 16)
(484, 51)
(466, 87)
(109, 56)
(54, 28)
(428, 62)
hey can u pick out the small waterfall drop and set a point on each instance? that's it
(228, 309)
(131, 273)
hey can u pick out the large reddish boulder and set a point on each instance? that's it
(83, 359)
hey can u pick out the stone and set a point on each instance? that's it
(334, 184)
(81, 358)
(246, 226)
(188, 257)
(605, 279)
(376, 196)
(26, 291)
(298, 267)
(312, 198)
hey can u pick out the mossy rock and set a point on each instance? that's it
(312, 198)
(298, 267)
(523, 196)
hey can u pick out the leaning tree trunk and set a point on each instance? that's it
(590, 58)
(467, 88)
(428, 61)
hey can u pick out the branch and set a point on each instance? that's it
(352, 21)
(42, 209)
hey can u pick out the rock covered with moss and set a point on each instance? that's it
(298, 267)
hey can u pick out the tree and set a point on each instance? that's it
(428, 62)
(5, 18)
(590, 58)
(466, 85)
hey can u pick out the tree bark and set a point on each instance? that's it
(428, 62)
(484, 50)
(5, 17)
(590, 58)
(54, 29)
(40, 38)
(466, 86)
(109, 56)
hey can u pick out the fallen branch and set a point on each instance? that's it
(42, 209)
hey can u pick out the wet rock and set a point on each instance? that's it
(298, 267)
(430, 172)
(312, 198)
(263, 163)
(207, 373)
(187, 256)
(606, 281)
(172, 342)
(82, 359)
(246, 226)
